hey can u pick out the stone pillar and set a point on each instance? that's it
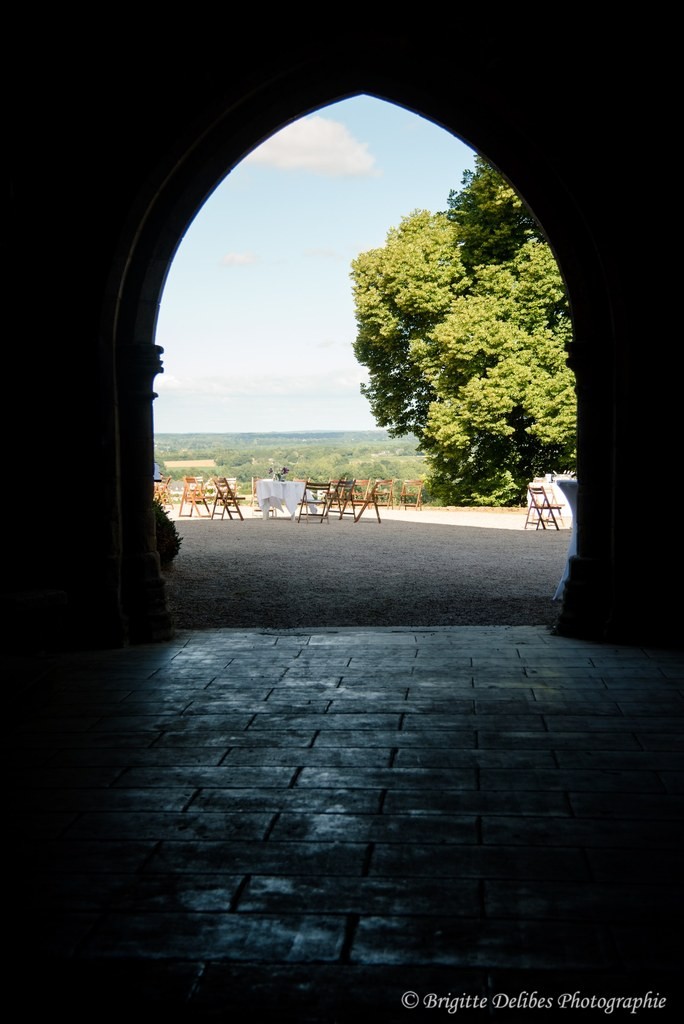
(143, 588)
(587, 597)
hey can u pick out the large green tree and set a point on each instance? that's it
(462, 323)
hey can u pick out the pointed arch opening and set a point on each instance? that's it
(202, 168)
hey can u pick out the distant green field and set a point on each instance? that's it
(184, 463)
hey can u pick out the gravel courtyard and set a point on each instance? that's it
(429, 568)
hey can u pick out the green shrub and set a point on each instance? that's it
(168, 538)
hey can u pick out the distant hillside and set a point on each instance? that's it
(208, 442)
(314, 454)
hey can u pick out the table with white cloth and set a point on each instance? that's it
(278, 493)
(568, 487)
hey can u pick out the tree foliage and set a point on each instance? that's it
(402, 292)
(463, 323)
(493, 222)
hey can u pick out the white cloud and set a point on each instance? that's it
(238, 259)
(318, 145)
(331, 382)
(325, 254)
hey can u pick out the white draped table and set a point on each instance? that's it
(276, 493)
(568, 486)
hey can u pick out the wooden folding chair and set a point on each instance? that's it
(555, 504)
(162, 492)
(411, 494)
(374, 497)
(225, 500)
(193, 495)
(541, 510)
(342, 497)
(315, 501)
(384, 493)
(350, 505)
(233, 481)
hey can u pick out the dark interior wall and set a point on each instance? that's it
(113, 151)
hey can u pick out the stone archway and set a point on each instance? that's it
(190, 175)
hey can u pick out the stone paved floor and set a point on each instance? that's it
(314, 826)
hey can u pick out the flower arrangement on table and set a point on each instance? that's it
(278, 474)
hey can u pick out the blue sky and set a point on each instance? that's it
(257, 314)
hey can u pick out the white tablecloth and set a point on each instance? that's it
(568, 487)
(276, 493)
